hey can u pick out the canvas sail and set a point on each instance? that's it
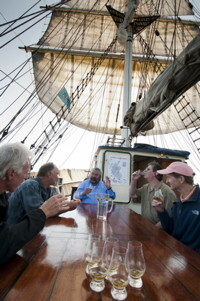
(80, 34)
(176, 79)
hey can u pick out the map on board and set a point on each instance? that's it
(117, 170)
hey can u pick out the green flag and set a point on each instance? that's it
(64, 96)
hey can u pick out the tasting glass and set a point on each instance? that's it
(110, 243)
(117, 274)
(92, 238)
(97, 268)
(158, 196)
(135, 263)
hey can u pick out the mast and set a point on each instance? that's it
(127, 82)
(125, 32)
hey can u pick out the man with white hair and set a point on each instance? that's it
(184, 221)
(14, 168)
(32, 193)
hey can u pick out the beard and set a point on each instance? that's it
(94, 180)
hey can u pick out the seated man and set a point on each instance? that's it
(147, 191)
(184, 221)
(14, 168)
(32, 193)
(87, 189)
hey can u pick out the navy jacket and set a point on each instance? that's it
(184, 221)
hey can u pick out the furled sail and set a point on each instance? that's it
(177, 78)
(83, 35)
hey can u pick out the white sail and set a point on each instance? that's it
(79, 74)
(75, 40)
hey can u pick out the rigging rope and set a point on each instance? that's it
(76, 94)
(84, 85)
(52, 126)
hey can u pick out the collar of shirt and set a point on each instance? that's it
(156, 187)
(188, 196)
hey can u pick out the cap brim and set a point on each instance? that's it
(163, 171)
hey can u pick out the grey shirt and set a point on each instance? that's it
(146, 194)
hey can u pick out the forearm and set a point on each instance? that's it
(82, 195)
(111, 193)
(133, 189)
(83, 190)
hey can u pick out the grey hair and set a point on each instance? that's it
(44, 169)
(13, 155)
(97, 169)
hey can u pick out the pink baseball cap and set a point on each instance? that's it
(177, 167)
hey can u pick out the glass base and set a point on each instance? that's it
(137, 283)
(102, 217)
(119, 294)
(97, 286)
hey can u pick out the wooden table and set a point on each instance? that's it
(52, 267)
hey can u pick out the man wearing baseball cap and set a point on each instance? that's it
(184, 221)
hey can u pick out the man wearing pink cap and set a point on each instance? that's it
(184, 221)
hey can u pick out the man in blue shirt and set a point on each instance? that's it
(184, 221)
(87, 189)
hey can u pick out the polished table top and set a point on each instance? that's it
(52, 266)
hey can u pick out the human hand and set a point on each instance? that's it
(136, 175)
(157, 202)
(55, 205)
(86, 191)
(158, 205)
(73, 204)
(107, 182)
